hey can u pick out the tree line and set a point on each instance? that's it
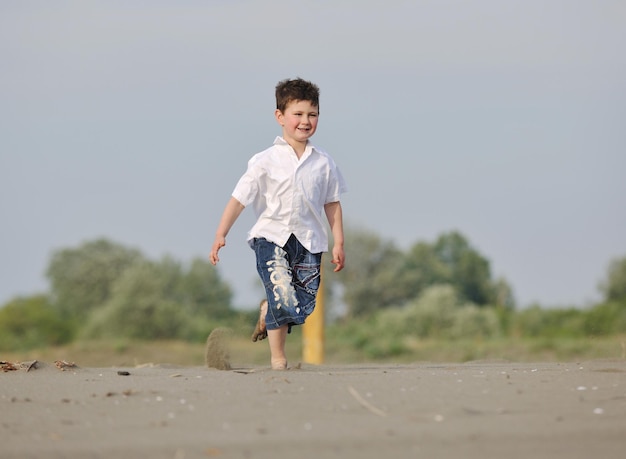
(103, 289)
(441, 289)
(379, 275)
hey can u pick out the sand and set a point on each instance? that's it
(471, 410)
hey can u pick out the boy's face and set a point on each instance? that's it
(299, 121)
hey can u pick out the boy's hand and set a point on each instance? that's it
(217, 245)
(339, 258)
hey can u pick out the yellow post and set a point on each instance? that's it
(313, 331)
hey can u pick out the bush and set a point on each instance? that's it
(549, 323)
(428, 316)
(473, 322)
(605, 319)
(140, 306)
(31, 322)
(160, 300)
(438, 313)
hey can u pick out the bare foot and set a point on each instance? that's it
(260, 331)
(279, 364)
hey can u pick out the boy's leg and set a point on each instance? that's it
(306, 275)
(290, 275)
(277, 339)
(273, 266)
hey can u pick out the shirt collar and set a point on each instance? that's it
(279, 140)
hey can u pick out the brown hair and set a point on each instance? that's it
(291, 90)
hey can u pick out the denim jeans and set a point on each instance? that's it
(291, 277)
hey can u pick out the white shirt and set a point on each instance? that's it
(288, 194)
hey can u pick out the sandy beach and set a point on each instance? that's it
(471, 410)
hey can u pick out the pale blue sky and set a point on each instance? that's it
(133, 120)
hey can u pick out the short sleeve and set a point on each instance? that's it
(336, 184)
(247, 187)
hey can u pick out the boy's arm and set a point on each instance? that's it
(335, 219)
(231, 212)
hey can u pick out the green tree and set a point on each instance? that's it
(142, 304)
(82, 278)
(161, 300)
(206, 293)
(31, 322)
(614, 288)
(503, 295)
(378, 275)
(605, 319)
(369, 279)
(468, 271)
(421, 268)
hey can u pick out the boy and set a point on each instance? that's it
(289, 185)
